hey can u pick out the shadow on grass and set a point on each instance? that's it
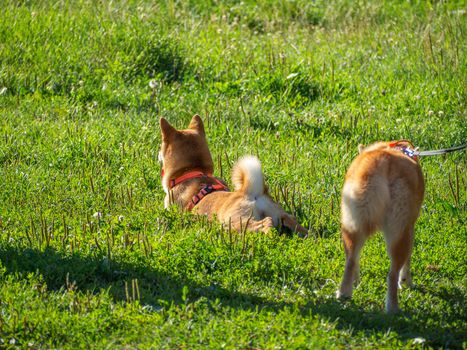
(158, 288)
(408, 324)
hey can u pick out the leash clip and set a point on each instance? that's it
(411, 153)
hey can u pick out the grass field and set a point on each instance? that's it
(89, 258)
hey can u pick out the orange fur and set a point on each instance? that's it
(249, 205)
(383, 190)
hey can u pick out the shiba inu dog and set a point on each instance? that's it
(188, 182)
(383, 190)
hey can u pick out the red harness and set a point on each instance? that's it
(409, 152)
(207, 189)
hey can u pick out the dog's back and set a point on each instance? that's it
(382, 188)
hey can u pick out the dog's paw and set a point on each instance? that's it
(267, 222)
(301, 231)
(392, 306)
(392, 309)
(343, 295)
(264, 225)
(405, 283)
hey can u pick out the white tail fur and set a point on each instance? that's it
(248, 177)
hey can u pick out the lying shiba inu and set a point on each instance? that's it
(383, 190)
(188, 182)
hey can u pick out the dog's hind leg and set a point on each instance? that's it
(353, 244)
(405, 276)
(290, 222)
(251, 224)
(399, 252)
(265, 225)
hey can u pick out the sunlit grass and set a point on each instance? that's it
(89, 257)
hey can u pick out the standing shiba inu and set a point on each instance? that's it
(188, 182)
(383, 190)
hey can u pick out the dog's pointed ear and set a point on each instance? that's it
(167, 130)
(197, 124)
(360, 148)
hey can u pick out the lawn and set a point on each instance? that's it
(89, 257)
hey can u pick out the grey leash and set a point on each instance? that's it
(440, 151)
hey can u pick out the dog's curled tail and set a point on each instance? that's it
(247, 176)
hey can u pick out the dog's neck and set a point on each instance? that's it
(182, 194)
(181, 186)
(167, 175)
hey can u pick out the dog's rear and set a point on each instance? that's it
(383, 190)
(250, 204)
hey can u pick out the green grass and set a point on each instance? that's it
(90, 259)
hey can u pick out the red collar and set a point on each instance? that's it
(207, 188)
(187, 176)
(410, 152)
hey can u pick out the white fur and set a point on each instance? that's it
(247, 172)
(359, 209)
(165, 181)
(264, 204)
(160, 157)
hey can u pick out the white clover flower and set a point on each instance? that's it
(97, 215)
(419, 340)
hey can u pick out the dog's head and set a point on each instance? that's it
(184, 150)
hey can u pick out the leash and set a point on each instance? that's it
(440, 151)
(407, 147)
